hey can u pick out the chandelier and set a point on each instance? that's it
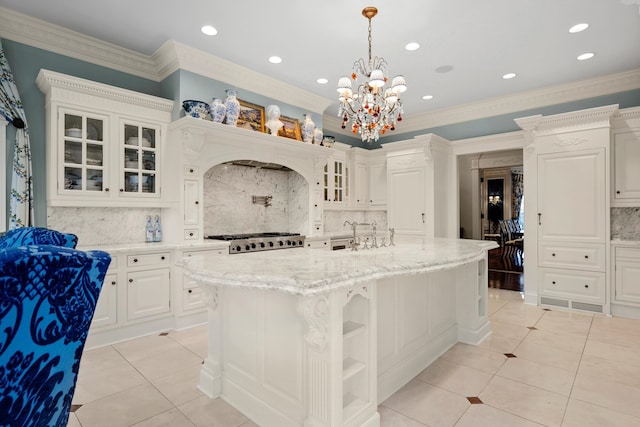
(372, 109)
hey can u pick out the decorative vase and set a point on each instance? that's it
(307, 128)
(317, 136)
(232, 107)
(217, 110)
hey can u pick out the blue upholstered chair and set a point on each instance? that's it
(37, 236)
(48, 295)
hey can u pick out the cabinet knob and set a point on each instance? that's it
(618, 192)
(113, 283)
(190, 290)
(197, 202)
(325, 243)
(553, 254)
(554, 282)
(586, 286)
(315, 206)
(122, 190)
(130, 280)
(370, 201)
(586, 257)
(190, 170)
(162, 258)
(135, 260)
(190, 234)
(106, 189)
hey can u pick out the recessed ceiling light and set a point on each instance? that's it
(275, 59)
(509, 76)
(587, 55)
(578, 27)
(322, 81)
(412, 46)
(209, 30)
(427, 97)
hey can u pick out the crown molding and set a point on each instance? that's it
(590, 118)
(523, 101)
(172, 56)
(44, 35)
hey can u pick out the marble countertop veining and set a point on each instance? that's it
(313, 271)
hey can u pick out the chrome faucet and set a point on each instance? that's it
(392, 231)
(354, 243)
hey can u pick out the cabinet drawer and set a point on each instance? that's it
(628, 253)
(572, 284)
(220, 251)
(191, 234)
(580, 256)
(192, 299)
(148, 259)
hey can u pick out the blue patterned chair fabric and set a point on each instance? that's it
(37, 236)
(48, 295)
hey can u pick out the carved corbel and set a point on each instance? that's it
(315, 311)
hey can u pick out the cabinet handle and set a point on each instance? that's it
(618, 192)
(130, 280)
(113, 283)
(586, 257)
(162, 258)
(539, 219)
(197, 202)
(422, 217)
(106, 189)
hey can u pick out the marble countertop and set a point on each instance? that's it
(154, 247)
(313, 271)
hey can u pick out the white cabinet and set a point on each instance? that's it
(361, 185)
(336, 180)
(406, 189)
(571, 196)
(148, 285)
(106, 312)
(378, 184)
(104, 144)
(626, 153)
(567, 209)
(627, 275)
(189, 292)
(192, 209)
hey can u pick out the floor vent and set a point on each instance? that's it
(553, 301)
(585, 306)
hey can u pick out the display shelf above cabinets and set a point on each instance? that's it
(104, 144)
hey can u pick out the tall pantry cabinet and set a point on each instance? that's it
(567, 204)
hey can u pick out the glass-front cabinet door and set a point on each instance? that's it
(84, 154)
(140, 159)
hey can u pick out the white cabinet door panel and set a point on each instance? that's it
(407, 201)
(627, 166)
(571, 196)
(149, 293)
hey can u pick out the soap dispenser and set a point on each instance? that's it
(157, 230)
(148, 230)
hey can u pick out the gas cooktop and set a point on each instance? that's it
(254, 242)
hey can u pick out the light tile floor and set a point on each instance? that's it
(569, 370)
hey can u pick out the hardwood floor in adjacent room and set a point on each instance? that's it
(506, 269)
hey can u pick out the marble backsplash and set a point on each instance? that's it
(334, 221)
(101, 226)
(229, 207)
(625, 223)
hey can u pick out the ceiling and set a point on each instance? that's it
(466, 45)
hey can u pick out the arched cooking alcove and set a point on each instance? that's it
(196, 146)
(249, 196)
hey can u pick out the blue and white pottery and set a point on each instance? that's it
(307, 128)
(232, 107)
(317, 136)
(197, 109)
(217, 110)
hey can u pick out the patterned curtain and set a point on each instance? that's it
(21, 205)
(517, 188)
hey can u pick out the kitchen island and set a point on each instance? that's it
(307, 337)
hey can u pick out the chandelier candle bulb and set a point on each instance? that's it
(371, 109)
